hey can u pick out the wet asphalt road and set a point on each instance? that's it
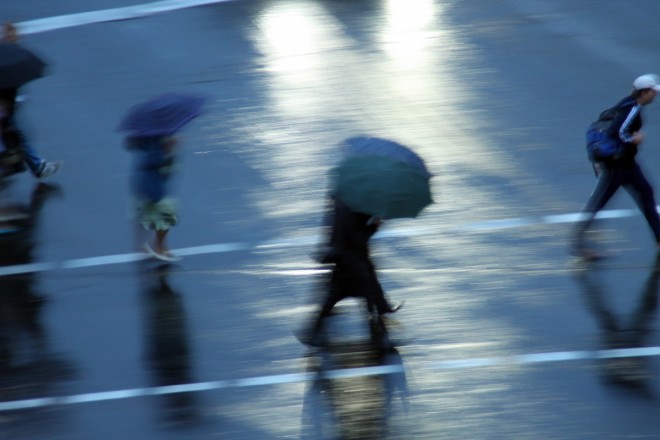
(495, 97)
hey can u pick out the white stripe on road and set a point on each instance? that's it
(279, 379)
(126, 13)
(492, 225)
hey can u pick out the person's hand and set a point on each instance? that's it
(10, 33)
(638, 138)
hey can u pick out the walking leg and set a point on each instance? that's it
(642, 192)
(608, 182)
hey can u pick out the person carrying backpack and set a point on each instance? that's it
(622, 169)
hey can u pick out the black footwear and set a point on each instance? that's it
(397, 307)
(587, 254)
(393, 309)
(311, 340)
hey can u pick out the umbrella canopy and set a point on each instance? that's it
(374, 146)
(163, 115)
(18, 66)
(381, 186)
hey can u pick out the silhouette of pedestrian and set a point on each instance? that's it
(156, 209)
(623, 169)
(353, 273)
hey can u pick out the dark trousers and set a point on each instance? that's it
(356, 281)
(611, 178)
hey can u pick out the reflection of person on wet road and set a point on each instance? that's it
(11, 132)
(354, 273)
(152, 171)
(623, 170)
(26, 366)
(168, 350)
(356, 407)
(625, 371)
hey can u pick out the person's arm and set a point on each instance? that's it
(627, 119)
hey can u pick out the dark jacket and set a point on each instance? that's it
(153, 167)
(350, 234)
(628, 120)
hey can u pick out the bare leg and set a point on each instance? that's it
(160, 242)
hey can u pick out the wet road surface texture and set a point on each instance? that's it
(503, 334)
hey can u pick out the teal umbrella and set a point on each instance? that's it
(381, 186)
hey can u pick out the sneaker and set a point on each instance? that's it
(162, 256)
(49, 169)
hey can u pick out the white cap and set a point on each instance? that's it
(648, 81)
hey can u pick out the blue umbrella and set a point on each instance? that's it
(374, 146)
(163, 115)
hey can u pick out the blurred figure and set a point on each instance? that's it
(152, 172)
(28, 368)
(353, 408)
(168, 349)
(12, 135)
(623, 170)
(353, 273)
(628, 372)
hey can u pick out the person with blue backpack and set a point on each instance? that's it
(615, 162)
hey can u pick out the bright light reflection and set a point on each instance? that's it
(406, 34)
(291, 37)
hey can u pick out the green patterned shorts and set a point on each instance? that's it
(159, 216)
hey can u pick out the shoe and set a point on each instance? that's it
(376, 316)
(587, 254)
(311, 340)
(49, 169)
(160, 255)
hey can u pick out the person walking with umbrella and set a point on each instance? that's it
(151, 127)
(17, 67)
(376, 181)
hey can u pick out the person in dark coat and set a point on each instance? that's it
(623, 170)
(11, 133)
(353, 274)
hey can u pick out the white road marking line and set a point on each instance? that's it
(125, 13)
(492, 225)
(278, 379)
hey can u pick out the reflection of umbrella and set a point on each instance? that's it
(381, 186)
(373, 146)
(163, 115)
(18, 66)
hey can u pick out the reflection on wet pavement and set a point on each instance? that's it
(494, 337)
(356, 407)
(168, 352)
(624, 330)
(29, 367)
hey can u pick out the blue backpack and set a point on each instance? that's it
(600, 145)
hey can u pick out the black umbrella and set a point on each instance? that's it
(18, 66)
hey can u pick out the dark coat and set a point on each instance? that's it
(354, 273)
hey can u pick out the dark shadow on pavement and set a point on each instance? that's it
(168, 353)
(28, 366)
(623, 332)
